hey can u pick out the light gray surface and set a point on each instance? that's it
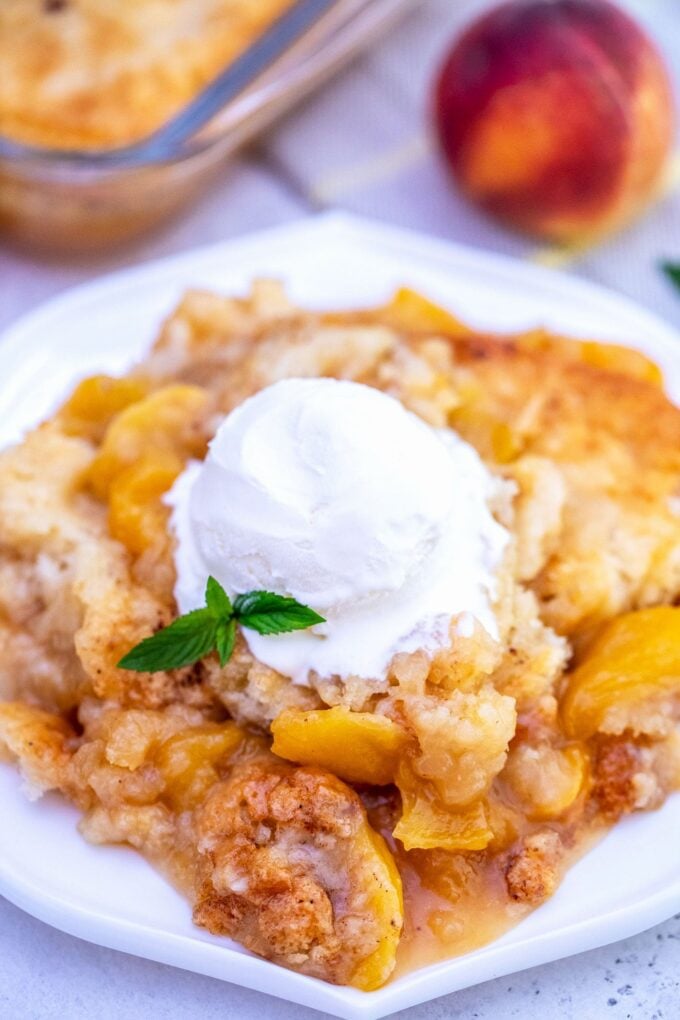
(45, 975)
(361, 145)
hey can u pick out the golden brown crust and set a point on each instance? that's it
(532, 872)
(617, 762)
(614, 441)
(285, 870)
(39, 741)
(91, 74)
(581, 409)
(69, 605)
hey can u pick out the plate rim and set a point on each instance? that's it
(429, 982)
(349, 226)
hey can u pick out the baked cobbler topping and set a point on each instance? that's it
(96, 74)
(368, 819)
(333, 493)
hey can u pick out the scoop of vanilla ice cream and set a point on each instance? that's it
(333, 493)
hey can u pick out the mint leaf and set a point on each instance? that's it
(213, 629)
(267, 613)
(225, 639)
(184, 642)
(672, 271)
(217, 600)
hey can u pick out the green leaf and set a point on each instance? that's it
(192, 636)
(672, 271)
(225, 639)
(184, 642)
(217, 600)
(267, 613)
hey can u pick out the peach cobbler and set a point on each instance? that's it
(89, 74)
(360, 626)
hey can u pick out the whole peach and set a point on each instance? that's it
(556, 116)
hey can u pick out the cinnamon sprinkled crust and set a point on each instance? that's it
(286, 868)
(533, 870)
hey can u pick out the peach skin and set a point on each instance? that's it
(556, 116)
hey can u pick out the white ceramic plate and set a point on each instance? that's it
(110, 895)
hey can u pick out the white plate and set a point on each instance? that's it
(110, 895)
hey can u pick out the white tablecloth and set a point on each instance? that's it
(362, 145)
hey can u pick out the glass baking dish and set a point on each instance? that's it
(84, 200)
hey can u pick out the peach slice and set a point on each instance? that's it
(409, 309)
(548, 780)
(359, 747)
(385, 901)
(188, 760)
(136, 515)
(427, 824)
(173, 420)
(634, 660)
(96, 401)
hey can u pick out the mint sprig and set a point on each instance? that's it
(672, 271)
(273, 614)
(191, 637)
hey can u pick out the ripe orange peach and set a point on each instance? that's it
(556, 116)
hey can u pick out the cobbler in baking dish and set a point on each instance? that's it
(486, 532)
(90, 74)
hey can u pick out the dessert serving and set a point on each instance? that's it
(360, 626)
